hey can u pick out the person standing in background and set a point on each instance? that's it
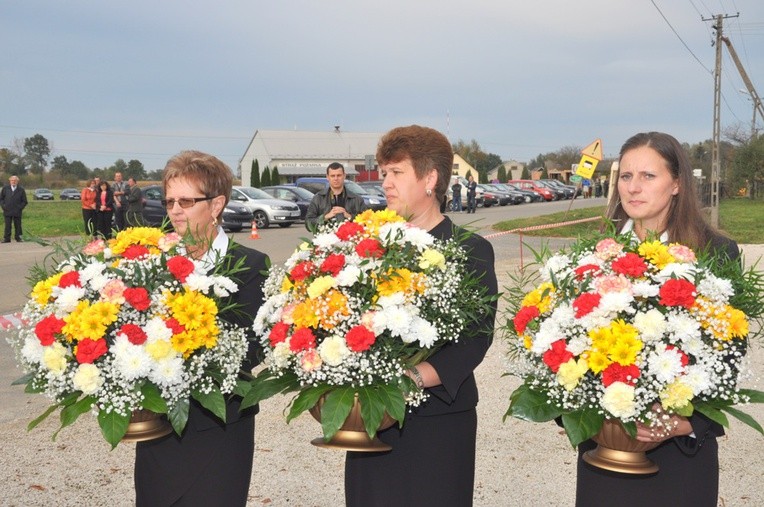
(334, 202)
(119, 188)
(104, 210)
(88, 201)
(134, 212)
(13, 199)
(471, 195)
(456, 196)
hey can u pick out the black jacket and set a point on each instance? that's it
(13, 202)
(322, 203)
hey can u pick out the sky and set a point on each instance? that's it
(146, 79)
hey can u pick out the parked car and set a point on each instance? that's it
(69, 194)
(505, 195)
(570, 190)
(373, 187)
(559, 193)
(528, 196)
(235, 217)
(544, 192)
(316, 184)
(43, 194)
(297, 195)
(265, 208)
(490, 198)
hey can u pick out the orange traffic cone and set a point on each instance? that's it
(254, 234)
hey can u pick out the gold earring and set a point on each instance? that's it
(214, 221)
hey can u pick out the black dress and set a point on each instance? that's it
(432, 462)
(688, 467)
(211, 463)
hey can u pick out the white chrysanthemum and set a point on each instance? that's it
(665, 365)
(107, 253)
(167, 372)
(547, 334)
(333, 350)
(697, 378)
(120, 345)
(396, 299)
(132, 361)
(645, 289)
(32, 350)
(425, 332)
(92, 269)
(650, 324)
(326, 240)
(694, 345)
(676, 270)
(389, 231)
(281, 355)
(418, 237)
(199, 282)
(98, 282)
(715, 288)
(555, 265)
(618, 399)
(578, 344)
(68, 298)
(156, 329)
(348, 276)
(223, 286)
(398, 321)
(682, 326)
(616, 302)
(87, 378)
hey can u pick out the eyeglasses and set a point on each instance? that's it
(185, 202)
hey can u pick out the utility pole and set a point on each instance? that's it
(716, 138)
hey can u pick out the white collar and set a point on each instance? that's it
(628, 226)
(216, 252)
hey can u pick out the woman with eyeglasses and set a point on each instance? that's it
(210, 463)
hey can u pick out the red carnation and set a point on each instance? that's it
(630, 264)
(138, 297)
(557, 355)
(585, 303)
(278, 333)
(180, 267)
(360, 338)
(524, 316)
(89, 350)
(302, 339)
(135, 252)
(369, 247)
(684, 358)
(586, 269)
(616, 372)
(333, 264)
(348, 230)
(677, 292)
(302, 271)
(135, 334)
(173, 324)
(72, 278)
(47, 329)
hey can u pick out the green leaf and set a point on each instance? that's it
(178, 416)
(70, 413)
(242, 387)
(31, 389)
(33, 424)
(686, 410)
(582, 425)
(394, 402)
(335, 410)
(372, 409)
(530, 405)
(754, 395)
(712, 413)
(23, 380)
(305, 400)
(744, 418)
(214, 401)
(152, 399)
(113, 426)
(266, 385)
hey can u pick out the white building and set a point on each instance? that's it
(303, 153)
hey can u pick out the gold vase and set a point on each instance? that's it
(352, 434)
(618, 452)
(146, 425)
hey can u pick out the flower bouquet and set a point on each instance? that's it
(130, 326)
(351, 310)
(622, 331)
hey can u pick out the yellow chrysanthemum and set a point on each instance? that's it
(597, 361)
(527, 341)
(540, 297)
(320, 285)
(624, 352)
(676, 395)
(286, 284)
(602, 338)
(656, 253)
(372, 220)
(146, 236)
(622, 330)
(107, 312)
(334, 306)
(184, 343)
(43, 289)
(738, 323)
(401, 280)
(304, 315)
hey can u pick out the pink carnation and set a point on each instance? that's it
(94, 247)
(682, 253)
(608, 248)
(612, 283)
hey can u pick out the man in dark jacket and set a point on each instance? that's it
(13, 200)
(134, 213)
(335, 202)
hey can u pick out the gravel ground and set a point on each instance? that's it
(518, 463)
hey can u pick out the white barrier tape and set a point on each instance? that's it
(540, 227)
(10, 321)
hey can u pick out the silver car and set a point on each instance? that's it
(266, 209)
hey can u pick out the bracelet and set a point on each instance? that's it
(418, 380)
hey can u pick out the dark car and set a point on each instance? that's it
(69, 194)
(528, 195)
(372, 187)
(505, 196)
(315, 185)
(298, 195)
(570, 190)
(533, 185)
(43, 194)
(235, 217)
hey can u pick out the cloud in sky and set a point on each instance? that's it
(147, 79)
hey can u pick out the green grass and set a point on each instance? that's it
(51, 219)
(740, 218)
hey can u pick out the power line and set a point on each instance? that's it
(127, 134)
(680, 38)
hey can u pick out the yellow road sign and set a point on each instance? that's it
(594, 150)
